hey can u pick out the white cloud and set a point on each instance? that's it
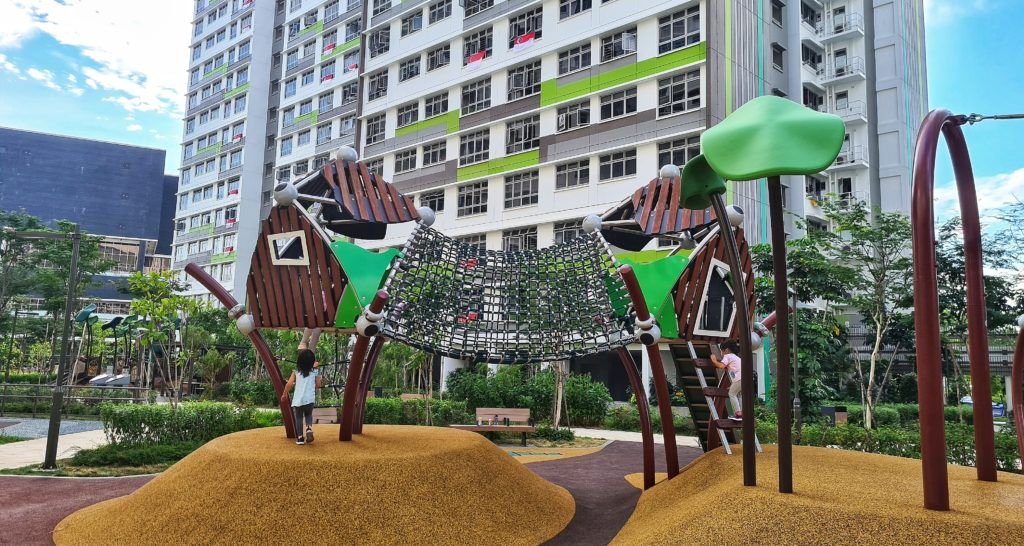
(7, 66)
(133, 128)
(943, 12)
(994, 194)
(76, 91)
(44, 77)
(140, 48)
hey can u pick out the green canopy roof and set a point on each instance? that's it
(772, 136)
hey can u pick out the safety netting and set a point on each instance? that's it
(456, 299)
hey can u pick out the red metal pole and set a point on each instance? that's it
(644, 412)
(364, 382)
(743, 331)
(668, 429)
(355, 367)
(977, 331)
(784, 403)
(926, 316)
(269, 361)
(1017, 391)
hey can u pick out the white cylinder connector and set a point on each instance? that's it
(735, 215)
(591, 223)
(245, 324)
(348, 153)
(669, 171)
(285, 194)
(427, 216)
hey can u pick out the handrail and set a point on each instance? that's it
(926, 307)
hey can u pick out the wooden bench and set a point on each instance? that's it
(326, 415)
(406, 397)
(518, 421)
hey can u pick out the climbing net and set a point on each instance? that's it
(455, 299)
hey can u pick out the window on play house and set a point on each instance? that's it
(717, 304)
(288, 248)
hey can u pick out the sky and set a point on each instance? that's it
(116, 70)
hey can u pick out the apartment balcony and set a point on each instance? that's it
(841, 28)
(854, 113)
(809, 32)
(811, 76)
(812, 206)
(853, 157)
(848, 71)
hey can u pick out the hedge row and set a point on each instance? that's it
(904, 415)
(628, 418)
(34, 378)
(395, 411)
(198, 422)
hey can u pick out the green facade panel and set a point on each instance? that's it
(499, 165)
(450, 119)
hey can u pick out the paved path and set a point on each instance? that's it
(604, 499)
(623, 436)
(21, 454)
(30, 507)
(38, 428)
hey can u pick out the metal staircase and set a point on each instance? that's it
(706, 396)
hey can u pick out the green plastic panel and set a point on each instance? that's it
(365, 270)
(657, 278)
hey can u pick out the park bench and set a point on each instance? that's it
(518, 420)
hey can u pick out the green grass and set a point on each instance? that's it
(5, 439)
(113, 460)
(65, 470)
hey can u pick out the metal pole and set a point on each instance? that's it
(58, 390)
(10, 347)
(783, 407)
(796, 376)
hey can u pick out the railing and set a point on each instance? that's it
(40, 396)
(852, 66)
(847, 156)
(853, 109)
(840, 25)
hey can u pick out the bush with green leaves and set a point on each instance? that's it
(258, 392)
(140, 455)
(627, 418)
(395, 411)
(33, 378)
(545, 432)
(131, 425)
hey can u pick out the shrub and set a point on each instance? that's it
(586, 400)
(623, 418)
(545, 432)
(394, 411)
(33, 378)
(258, 392)
(383, 411)
(268, 419)
(141, 455)
(132, 425)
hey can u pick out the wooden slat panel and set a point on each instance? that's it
(370, 194)
(291, 277)
(673, 205)
(404, 205)
(314, 304)
(250, 296)
(271, 287)
(390, 211)
(330, 173)
(352, 185)
(644, 212)
(659, 206)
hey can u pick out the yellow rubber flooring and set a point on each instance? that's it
(842, 497)
(391, 485)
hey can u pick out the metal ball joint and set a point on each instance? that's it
(285, 194)
(368, 323)
(669, 171)
(236, 311)
(591, 223)
(735, 215)
(348, 153)
(245, 324)
(650, 336)
(427, 216)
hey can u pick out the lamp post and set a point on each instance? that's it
(57, 403)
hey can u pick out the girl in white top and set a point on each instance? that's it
(306, 379)
(733, 366)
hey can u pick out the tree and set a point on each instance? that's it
(52, 260)
(210, 365)
(174, 344)
(17, 274)
(873, 245)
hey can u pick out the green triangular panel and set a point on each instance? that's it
(365, 270)
(656, 280)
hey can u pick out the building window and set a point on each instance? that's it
(679, 93)
(353, 27)
(474, 7)
(323, 134)
(408, 114)
(405, 161)
(524, 81)
(477, 43)
(436, 58)
(286, 146)
(380, 6)
(348, 125)
(439, 10)
(349, 93)
(679, 30)
(412, 23)
(521, 189)
(568, 8)
(618, 45)
(375, 166)
(618, 104)
(472, 199)
(436, 105)
(618, 164)
(375, 129)
(380, 42)
(778, 56)
(476, 96)
(576, 173)
(678, 151)
(517, 240)
(573, 116)
(378, 85)
(478, 241)
(777, 6)
(433, 199)
(573, 59)
(305, 107)
(522, 134)
(521, 26)
(331, 11)
(326, 102)
(327, 71)
(303, 138)
(434, 153)
(290, 87)
(474, 147)
(408, 69)
(567, 231)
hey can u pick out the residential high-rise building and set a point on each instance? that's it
(515, 119)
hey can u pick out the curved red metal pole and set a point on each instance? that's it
(746, 352)
(364, 382)
(355, 368)
(644, 411)
(668, 429)
(1017, 384)
(269, 361)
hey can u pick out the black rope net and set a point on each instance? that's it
(455, 299)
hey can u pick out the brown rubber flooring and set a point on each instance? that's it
(31, 507)
(604, 499)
